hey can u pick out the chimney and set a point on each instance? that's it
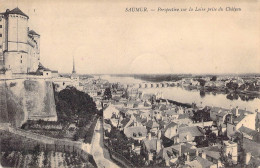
(231, 118)
(237, 111)
(149, 136)
(158, 146)
(133, 146)
(248, 157)
(203, 155)
(180, 151)
(159, 134)
(188, 157)
(230, 107)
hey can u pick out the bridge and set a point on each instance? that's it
(151, 85)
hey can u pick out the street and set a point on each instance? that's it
(99, 152)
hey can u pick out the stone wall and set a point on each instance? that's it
(23, 99)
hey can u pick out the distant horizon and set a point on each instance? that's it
(212, 74)
(111, 41)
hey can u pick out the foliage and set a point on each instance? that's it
(45, 161)
(202, 82)
(223, 158)
(232, 85)
(201, 141)
(202, 93)
(35, 156)
(125, 94)
(107, 94)
(212, 138)
(72, 103)
(201, 115)
(214, 78)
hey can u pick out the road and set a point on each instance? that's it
(99, 152)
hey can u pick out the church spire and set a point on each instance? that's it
(73, 71)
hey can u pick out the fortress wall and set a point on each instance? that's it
(28, 99)
(3, 105)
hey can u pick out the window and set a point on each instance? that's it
(21, 56)
(0, 35)
(0, 47)
(1, 26)
(21, 61)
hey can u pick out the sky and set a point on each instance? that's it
(104, 39)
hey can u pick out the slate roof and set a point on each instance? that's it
(248, 131)
(200, 162)
(193, 131)
(183, 148)
(150, 144)
(124, 122)
(222, 113)
(129, 131)
(241, 111)
(182, 116)
(17, 11)
(170, 125)
(32, 32)
(166, 153)
(211, 151)
(139, 119)
(254, 160)
(152, 124)
(170, 112)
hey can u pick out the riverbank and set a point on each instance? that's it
(187, 105)
(245, 95)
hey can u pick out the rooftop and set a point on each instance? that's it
(32, 32)
(248, 131)
(194, 131)
(16, 11)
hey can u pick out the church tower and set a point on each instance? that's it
(74, 75)
(73, 70)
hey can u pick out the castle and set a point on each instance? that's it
(19, 46)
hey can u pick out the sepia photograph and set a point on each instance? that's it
(129, 83)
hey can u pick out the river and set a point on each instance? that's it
(189, 96)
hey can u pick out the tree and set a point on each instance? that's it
(202, 93)
(181, 161)
(212, 138)
(214, 78)
(232, 85)
(45, 160)
(223, 158)
(72, 103)
(107, 94)
(202, 82)
(125, 94)
(201, 141)
(35, 156)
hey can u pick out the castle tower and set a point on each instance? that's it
(19, 47)
(14, 40)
